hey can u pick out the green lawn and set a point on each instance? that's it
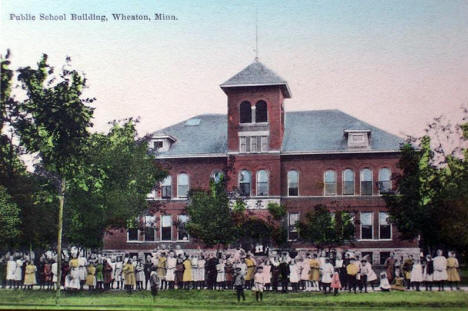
(213, 300)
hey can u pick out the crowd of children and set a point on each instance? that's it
(231, 269)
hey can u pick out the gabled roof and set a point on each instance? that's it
(257, 74)
(314, 131)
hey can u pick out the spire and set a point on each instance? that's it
(256, 34)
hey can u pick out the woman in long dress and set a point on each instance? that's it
(416, 274)
(90, 276)
(129, 272)
(294, 274)
(453, 277)
(428, 272)
(315, 272)
(220, 274)
(170, 270)
(187, 278)
(305, 271)
(30, 275)
(440, 270)
(327, 274)
(11, 272)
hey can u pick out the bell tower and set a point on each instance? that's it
(255, 110)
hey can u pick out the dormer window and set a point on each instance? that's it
(161, 142)
(358, 139)
(158, 144)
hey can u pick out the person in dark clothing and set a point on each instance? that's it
(147, 269)
(275, 273)
(211, 272)
(238, 283)
(284, 272)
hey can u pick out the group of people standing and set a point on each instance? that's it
(231, 269)
(412, 272)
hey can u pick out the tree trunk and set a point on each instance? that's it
(59, 237)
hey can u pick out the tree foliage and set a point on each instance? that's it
(9, 219)
(111, 189)
(432, 187)
(325, 229)
(210, 216)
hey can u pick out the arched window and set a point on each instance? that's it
(245, 112)
(244, 183)
(182, 185)
(262, 183)
(293, 183)
(348, 182)
(217, 176)
(385, 180)
(166, 188)
(261, 112)
(330, 182)
(366, 182)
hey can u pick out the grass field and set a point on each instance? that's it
(213, 300)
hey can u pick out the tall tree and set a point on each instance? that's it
(113, 188)
(210, 216)
(431, 198)
(54, 124)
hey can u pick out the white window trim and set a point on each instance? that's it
(250, 182)
(138, 237)
(289, 225)
(360, 226)
(391, 229)
(390, 180)
(268, 183)
(325, 185)
(287, 182)
(188, 186)
(188, 235)
(161, 227)
(371, 181)
(343, 183)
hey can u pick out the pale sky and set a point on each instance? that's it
(394, 64)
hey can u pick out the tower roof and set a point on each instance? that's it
(257, 74)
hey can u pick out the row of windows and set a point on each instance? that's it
(348, 187)
(253, 143)
(330, 183)
(166, 232)
(261, 112)
(366, 222)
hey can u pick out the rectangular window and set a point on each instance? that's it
(262, 188)
(182, 234)
(383, 257)
(166, 192)
(293, 219)
(385, 228)
(133, 234)
(366, 226)
(366, 187)
(158, 145)
(330, 188)
(149, 228)
(264, 142)
(242, 144)
(385, 186)
(166, 227)
(348, 187)
(253, 141)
